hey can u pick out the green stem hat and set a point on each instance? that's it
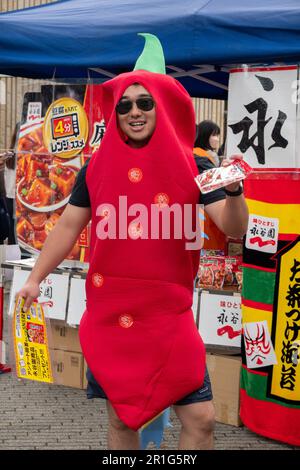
(152, 58)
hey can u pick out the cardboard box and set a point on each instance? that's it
(235, 247)
(84, 380)
(67, 368)
(224, 372)
(64, 337)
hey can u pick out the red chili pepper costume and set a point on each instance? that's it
(138, 333)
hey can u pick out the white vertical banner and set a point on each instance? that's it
(195, 303)
(77, 301)
(262, 120)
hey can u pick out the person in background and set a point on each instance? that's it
(206, 157)
(208, 141)
(2, 166)
(10, 186)
(4, 216)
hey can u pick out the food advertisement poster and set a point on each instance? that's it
(31, 343)
(60, 129)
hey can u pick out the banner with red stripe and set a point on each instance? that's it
(270, 393)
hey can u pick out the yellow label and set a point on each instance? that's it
(287, 214)
(251, 315)
(65, 128)
(31, 343)
(286, 374)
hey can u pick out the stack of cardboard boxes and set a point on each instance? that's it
(220, 325)
(224, 372)
(67, 359)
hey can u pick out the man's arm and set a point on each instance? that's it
(58, 245)
(230, 214)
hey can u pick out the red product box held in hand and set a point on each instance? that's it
(222, 176)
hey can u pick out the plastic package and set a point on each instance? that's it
(222, 176)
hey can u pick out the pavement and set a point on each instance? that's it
(40, 416)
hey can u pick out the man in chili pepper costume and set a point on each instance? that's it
(138, 333)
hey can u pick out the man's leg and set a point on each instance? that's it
(197, 421)
(120, 437)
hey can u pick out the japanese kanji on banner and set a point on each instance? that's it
(31, 343)
(61, 126)
(262, 122)
(220, 319)
(270, 385)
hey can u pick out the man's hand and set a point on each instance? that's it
(2, 161)
(6, 155)
(3, 157)
(30, 291)
(228, 161)
(230, 214)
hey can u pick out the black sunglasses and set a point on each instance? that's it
(144, 104)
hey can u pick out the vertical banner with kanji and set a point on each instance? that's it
(270, 385)
(262, 112)
(31, 343)
(263, 126)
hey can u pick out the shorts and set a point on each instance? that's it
(202, 394)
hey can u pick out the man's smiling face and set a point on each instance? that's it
(137, 124)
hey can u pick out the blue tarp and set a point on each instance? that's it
(67, 38)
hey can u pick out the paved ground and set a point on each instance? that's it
(39, 416)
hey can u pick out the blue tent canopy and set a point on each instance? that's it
(98, 38)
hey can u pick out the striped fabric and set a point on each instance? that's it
(270, 404)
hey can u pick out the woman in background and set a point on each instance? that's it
(206, 157)
(208, 141)
(4, 216)
(10, 186)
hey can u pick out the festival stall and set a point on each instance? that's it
(262, 124)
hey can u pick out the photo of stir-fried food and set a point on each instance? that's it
(44, 183)
(32, 142)
(43, 180)
(34, 227)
